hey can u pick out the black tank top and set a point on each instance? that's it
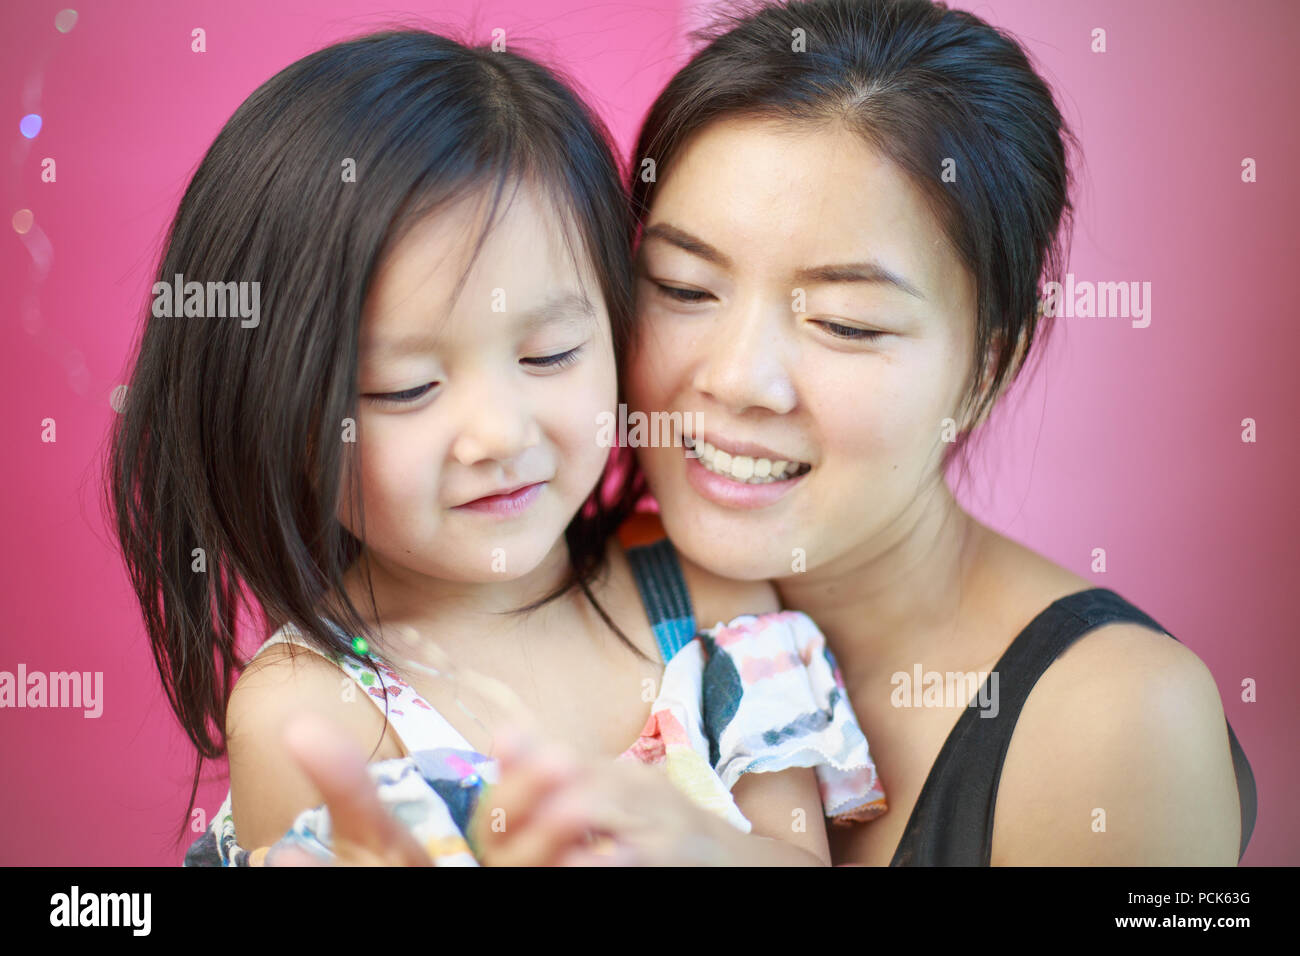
(952, 822)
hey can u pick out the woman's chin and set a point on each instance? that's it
(741, 545)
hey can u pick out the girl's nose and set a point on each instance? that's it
(495, 431)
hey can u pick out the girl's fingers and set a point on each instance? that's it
(563, 819)
(527, 778)
(283, 856)
(604, 852)
(362, 827)
(560, 823)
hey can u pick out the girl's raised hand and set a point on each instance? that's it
(551, 808)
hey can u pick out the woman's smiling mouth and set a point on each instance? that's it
(749, 468)
(735, 480)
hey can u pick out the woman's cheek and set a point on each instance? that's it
(881, 439)
(650, 364)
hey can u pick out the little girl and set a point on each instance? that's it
(403, 450)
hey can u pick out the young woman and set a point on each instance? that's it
(840, 263)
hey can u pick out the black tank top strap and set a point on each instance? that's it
(952, 822)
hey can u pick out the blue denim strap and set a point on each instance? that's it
(663, 592)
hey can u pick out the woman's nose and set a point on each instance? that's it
(746, 362)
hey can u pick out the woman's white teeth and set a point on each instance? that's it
(754, 471)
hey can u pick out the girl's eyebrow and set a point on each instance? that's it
(571, 308)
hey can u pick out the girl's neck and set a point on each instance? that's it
(405, 597)
(895, 598)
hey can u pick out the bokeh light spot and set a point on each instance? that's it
(65, 20)
(30, 125)
(23, 220)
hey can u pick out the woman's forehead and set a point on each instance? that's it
(770, 195)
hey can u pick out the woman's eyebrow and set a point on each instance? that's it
(866, 271)
(687, 242)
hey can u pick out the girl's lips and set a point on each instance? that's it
(736, 494)
(505, 506)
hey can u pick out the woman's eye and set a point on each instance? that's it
(851, 331)
(681, 295)
(403, 397)
(559, 360)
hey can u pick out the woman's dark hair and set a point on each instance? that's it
(922, 84)
(230, 439)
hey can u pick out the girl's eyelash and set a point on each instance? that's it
(407, 396)
(681, 295)
(404, 397)
(559, 360)
(851, 332)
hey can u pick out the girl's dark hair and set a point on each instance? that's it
(921, 84)
(230, 440)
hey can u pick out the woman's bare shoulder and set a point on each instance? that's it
(1120, 756)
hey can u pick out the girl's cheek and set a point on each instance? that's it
(396, 466)
(585, 396)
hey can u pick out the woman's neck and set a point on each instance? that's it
(895, 598)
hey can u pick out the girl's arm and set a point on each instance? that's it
(786, 811)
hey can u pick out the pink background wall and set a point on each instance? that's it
(1126, 438)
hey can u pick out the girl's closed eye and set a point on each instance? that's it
(410, 396)
(404, 397)
(554, 362)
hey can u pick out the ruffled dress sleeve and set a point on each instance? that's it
(760, 694)
(774, 698)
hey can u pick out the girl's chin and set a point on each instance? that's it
(482, 558)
